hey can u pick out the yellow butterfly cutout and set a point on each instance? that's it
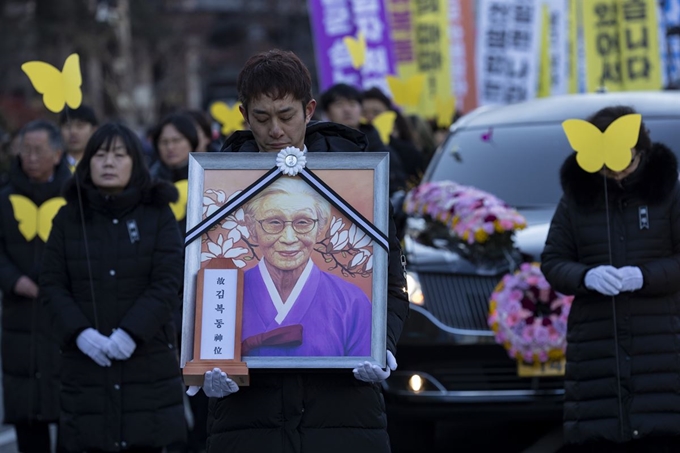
(407, 92)
(229, 117)
(35, 220)
(384, 123)
(356, 48)
(57, 87)
(611, 148)
(179, 208)
(445, 110)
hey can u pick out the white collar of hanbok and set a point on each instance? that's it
(282, 309)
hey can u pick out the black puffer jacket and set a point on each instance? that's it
(319, 136)
(638, 396)
(30, 370)
(136, 402)
(328, 412)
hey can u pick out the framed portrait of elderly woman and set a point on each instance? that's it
(309, 232)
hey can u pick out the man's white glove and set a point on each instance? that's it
(216, 384)
(605, 280)
(93, 344)
(631, 278)
(121, 345)
(373, 373)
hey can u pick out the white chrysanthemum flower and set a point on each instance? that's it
(291, 160)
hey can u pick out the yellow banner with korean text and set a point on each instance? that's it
(639, 42)
(621, 45)
(422, 48)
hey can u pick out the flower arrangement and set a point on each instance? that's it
(528, 317)
(345, 247)
(483, 223)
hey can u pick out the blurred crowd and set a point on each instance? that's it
(42, 162)
(167, 144)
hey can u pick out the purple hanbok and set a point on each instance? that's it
(334, 315)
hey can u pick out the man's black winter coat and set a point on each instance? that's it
(303, 411)
(30, 365)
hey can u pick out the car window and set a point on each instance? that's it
(520, 163)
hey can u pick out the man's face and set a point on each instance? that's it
(76, 133)
(372, 108)
(278, 123)
(345, 111)
(38, 158)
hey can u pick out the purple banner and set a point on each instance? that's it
(332, 20)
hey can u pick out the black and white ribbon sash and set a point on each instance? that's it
(232, 205)
(311, 179)
(336, 200)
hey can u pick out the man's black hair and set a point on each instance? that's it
(83, 113)
(337, 91)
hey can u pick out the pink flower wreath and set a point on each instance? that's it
(528, 317)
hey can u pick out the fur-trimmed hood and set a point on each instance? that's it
(653, 180)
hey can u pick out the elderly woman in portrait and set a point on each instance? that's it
(291, 307)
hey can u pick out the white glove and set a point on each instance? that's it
(216, 384)
(631, 278)
(93, 344)
(605, 280)
(373, 373)
(121, 345)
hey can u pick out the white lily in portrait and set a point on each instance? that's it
(339, 240)
(212, 204)
(336, 224)
(358, 237)
(235, 223)
(369, 263)
(224, 248)
(360, 258)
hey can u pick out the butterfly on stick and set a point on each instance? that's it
(357, 49)
(179, 207)
(407, 92)
(596, 149)
(230, 118)
(59, 88)
(35, 220)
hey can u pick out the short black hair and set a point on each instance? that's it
(377, 94)
(401, 124)
(606, 116)
(103, 138)
(337, 91)
(184, 125)
(83, 113)
(275, 73)
(201, 120)
(53, 132)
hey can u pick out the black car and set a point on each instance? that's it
(449, 363)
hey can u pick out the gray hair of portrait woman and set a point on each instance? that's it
(291, 186)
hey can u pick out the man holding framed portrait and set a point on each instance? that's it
(300, 410)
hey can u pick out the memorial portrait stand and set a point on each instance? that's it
(222, 297)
